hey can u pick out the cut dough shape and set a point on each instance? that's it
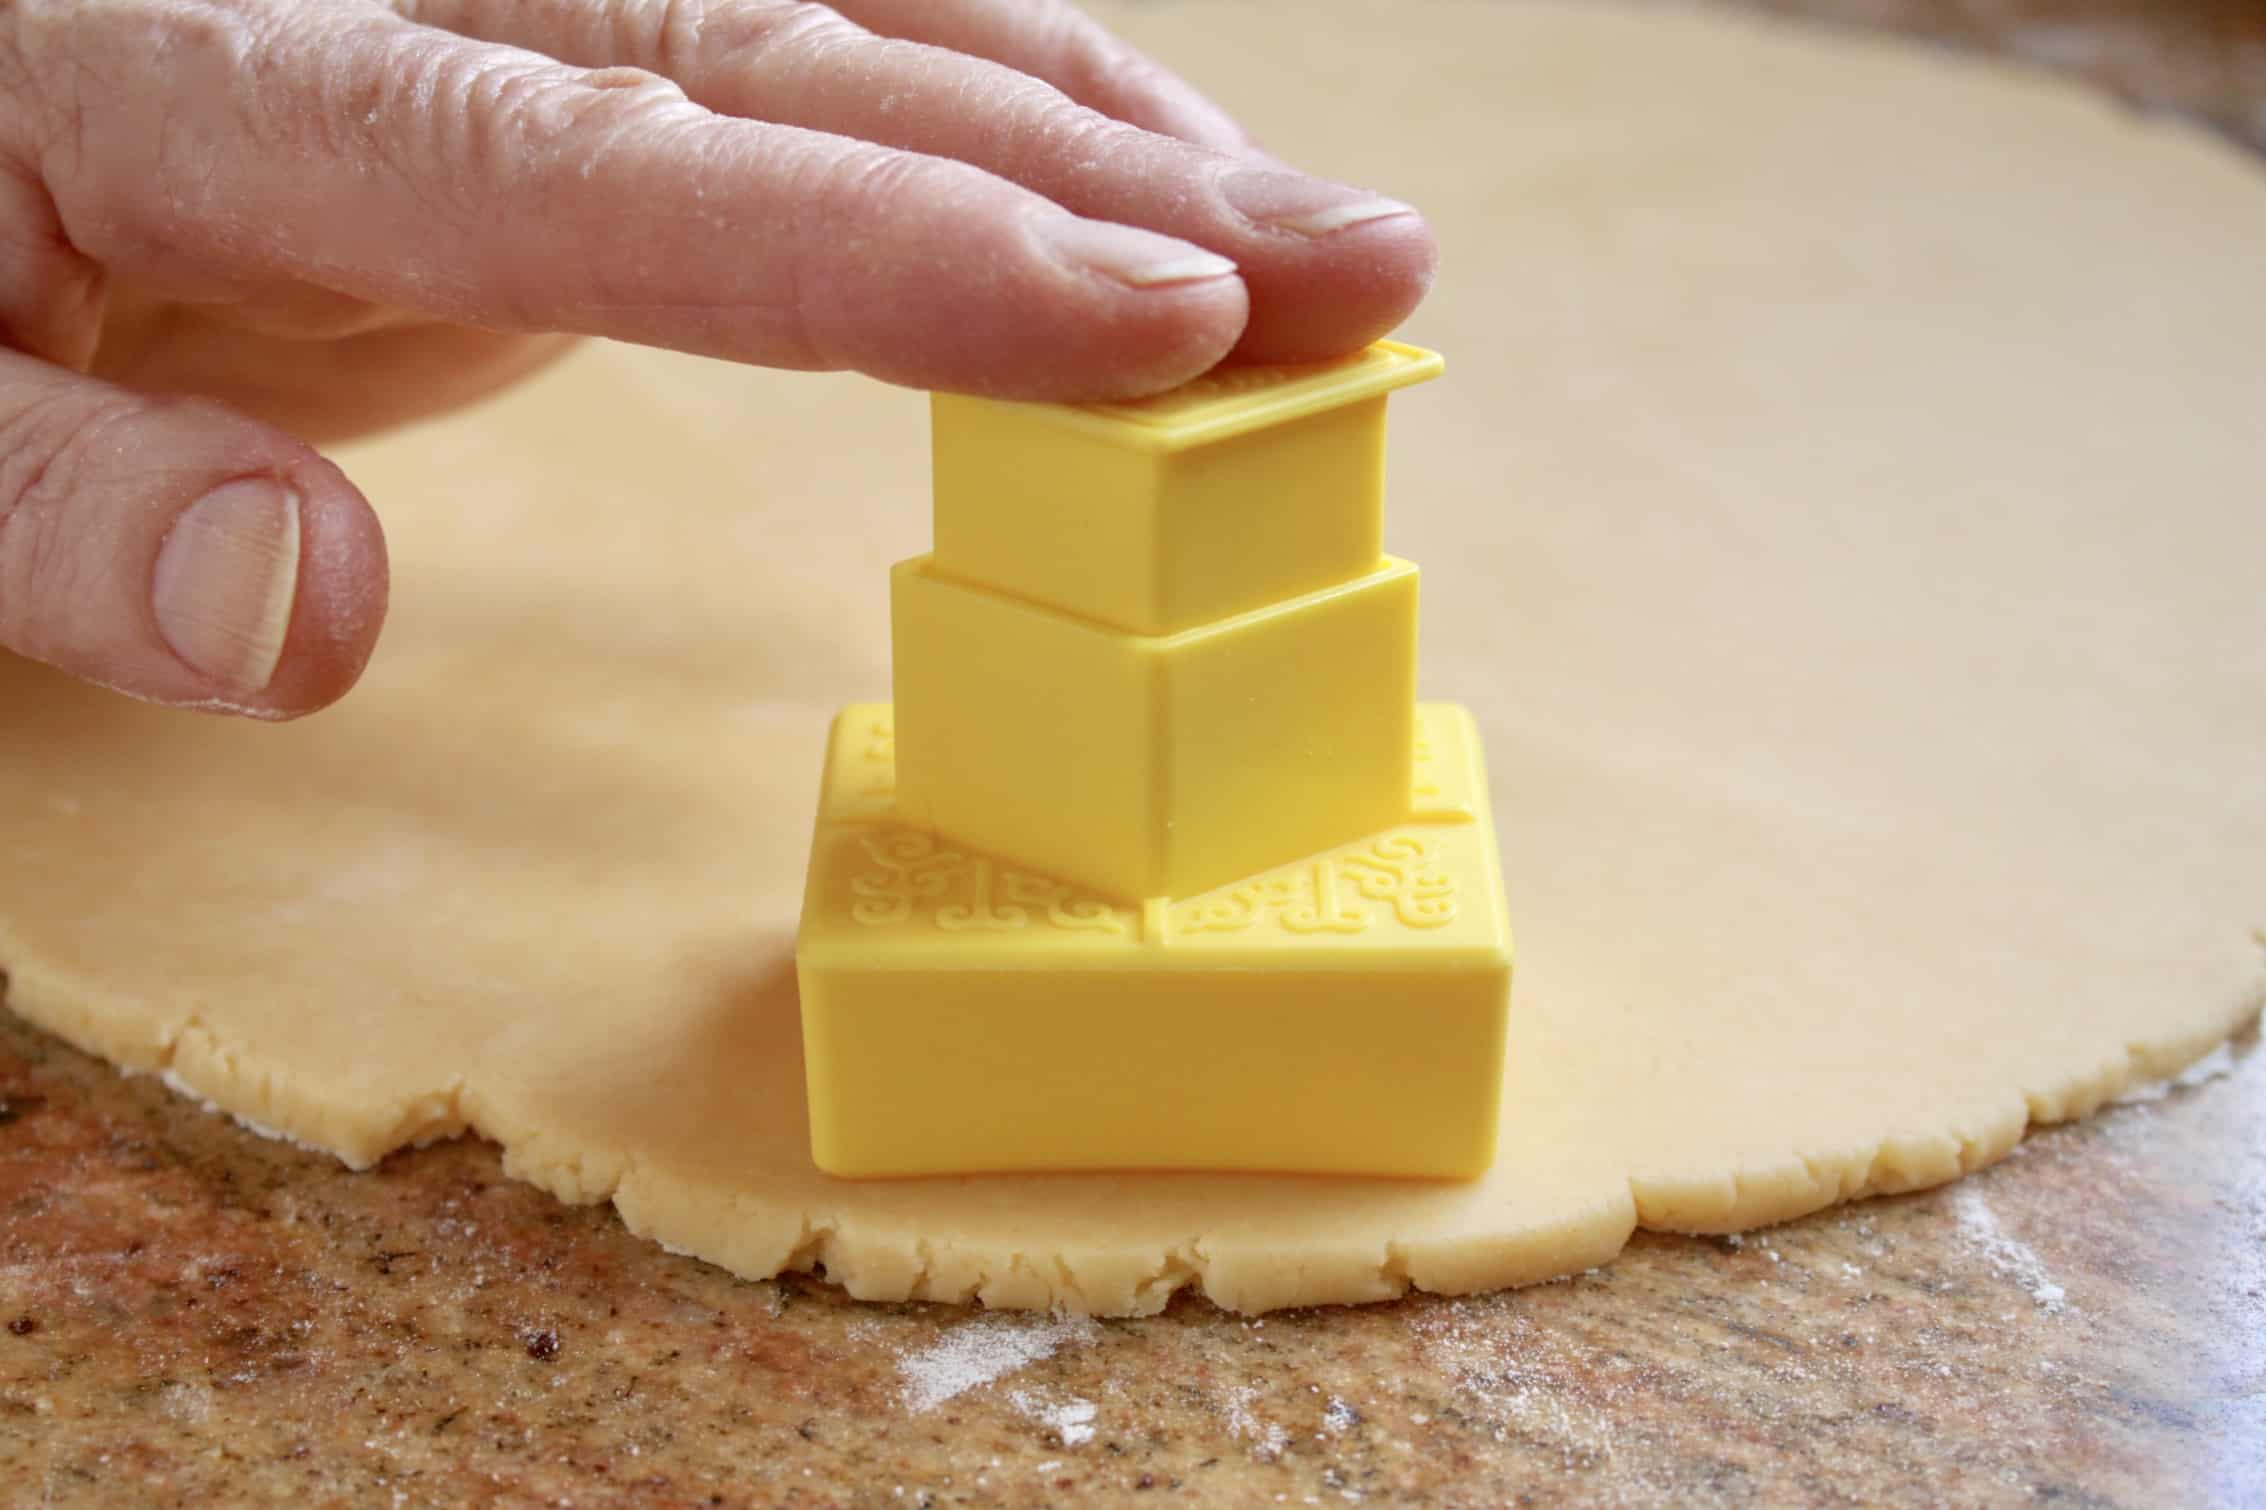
(1842, 511)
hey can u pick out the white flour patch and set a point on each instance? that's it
(1070, 1420)
(1549, 1388)
(2009, 1256)
(1266, 1438)
(1338, 1416)
(2216, 1065)
(985, 1349)
(188, 1092)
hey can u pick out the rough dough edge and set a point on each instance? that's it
(755, 1239)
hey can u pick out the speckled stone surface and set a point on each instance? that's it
(190, 1315)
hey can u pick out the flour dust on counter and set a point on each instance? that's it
(1844, 515)
(983, 1350)
(1071, 1421)
(2009, 1256)
(189, 1315)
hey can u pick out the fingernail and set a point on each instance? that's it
(1303, 206)
(1133, 257)
(226, 579)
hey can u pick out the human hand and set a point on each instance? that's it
(333, 214)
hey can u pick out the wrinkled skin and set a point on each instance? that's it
(230, 227)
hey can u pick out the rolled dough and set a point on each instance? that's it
(1842, 510)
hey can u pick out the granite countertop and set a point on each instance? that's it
(189, 1314)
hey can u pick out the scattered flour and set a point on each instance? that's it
(2216, 1065)
(985, 1349)
(2009, 1256)
(1338, 1416)
(188, 1092)
(1267, 1439)
(1071, 1420)
(1555, 1392)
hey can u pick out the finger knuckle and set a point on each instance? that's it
(53, 452)
(1060, 138)
(52, 296)
(120, 166)
(688, 39)
(464, 123)
(674, 34)
(807, 31)
(542, 118)
(49, 446)
(549, 136)
(1082, 134)
(846, 256)
(589, 111)
(859, 186)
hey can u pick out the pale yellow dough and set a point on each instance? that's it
(1843, 511)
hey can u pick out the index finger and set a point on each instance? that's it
(1055, 41)
(483, 184)
(1329, 267)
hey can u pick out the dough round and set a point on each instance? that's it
(1842, 511)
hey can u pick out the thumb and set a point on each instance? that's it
(178, 552)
